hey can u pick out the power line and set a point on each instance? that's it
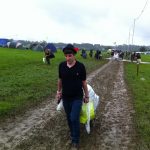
(142, 10)
(135, 19)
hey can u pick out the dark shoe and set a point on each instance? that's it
(75, 146)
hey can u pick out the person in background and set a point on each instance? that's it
(72, 88)
(84, 54)
(133, 56)
(48, 55)
(138, 57)
(91, 53)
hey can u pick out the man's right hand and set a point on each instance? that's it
(58, 96)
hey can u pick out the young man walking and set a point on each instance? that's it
(72, 88)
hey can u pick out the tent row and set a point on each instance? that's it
(22, 45)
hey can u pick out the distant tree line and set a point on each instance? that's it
(89, 46)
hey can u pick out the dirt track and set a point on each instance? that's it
(46, 129)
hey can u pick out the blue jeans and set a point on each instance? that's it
(72, 109)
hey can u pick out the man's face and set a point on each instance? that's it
(69, 57)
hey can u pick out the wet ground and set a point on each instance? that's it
(45, 129)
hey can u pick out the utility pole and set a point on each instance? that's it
(129, 41)
(133, 30)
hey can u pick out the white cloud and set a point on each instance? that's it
(92, 21)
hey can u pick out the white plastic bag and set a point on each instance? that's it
(60, 106)
(44, 60)
(93, 96)
(87, 125)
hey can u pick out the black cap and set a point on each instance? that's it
(69, 49)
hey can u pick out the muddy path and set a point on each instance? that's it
(45, 129)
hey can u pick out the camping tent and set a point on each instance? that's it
(38, 47)
(50, 46)
(27, 45)
(12, 44)
(19, 45)
(3, 42)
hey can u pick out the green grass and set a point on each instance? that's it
(140, 89)
(25, 80)
(145, 58)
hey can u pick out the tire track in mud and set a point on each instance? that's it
(44, 128)
(12, 133)
(117, 128)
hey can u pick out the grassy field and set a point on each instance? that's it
(140, 90)
(145, 58)
(25, 80)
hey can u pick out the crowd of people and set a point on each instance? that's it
(133, 56)
(97, 55)
(48, 55)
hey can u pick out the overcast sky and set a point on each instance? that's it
(76, 21)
